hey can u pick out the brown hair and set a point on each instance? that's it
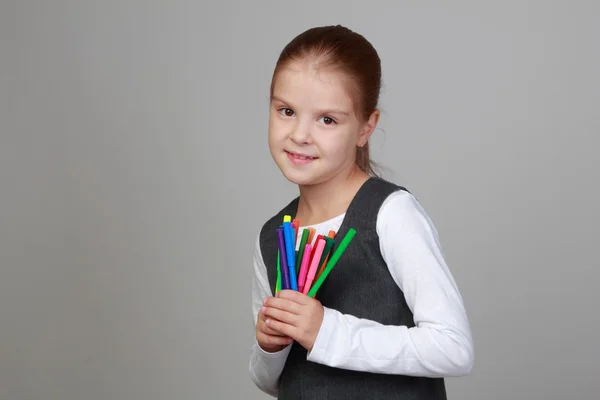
(340, 48)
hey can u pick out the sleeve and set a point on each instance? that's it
(440, 345)
(265, 368)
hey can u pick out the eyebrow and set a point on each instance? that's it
(325, 111)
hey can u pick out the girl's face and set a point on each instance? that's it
(313, 128)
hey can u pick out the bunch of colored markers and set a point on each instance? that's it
(305, 270)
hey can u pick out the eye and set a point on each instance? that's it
(328, 120)
(287, 112)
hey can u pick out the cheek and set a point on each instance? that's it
(276, 131)
(338, 145)
(272, 132)
(276, 137)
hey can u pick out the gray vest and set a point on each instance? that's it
(360, 285)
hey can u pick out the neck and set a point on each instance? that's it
(331, 198)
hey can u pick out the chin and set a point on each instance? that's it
(298, 179)
(303, 178)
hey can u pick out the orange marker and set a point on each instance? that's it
(311, 235)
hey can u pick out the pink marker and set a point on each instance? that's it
(304, 266)
(314, 265)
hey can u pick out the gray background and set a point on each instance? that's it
(134, 166)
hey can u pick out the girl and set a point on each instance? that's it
(388, 322)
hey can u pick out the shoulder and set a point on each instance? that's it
(377, 188)
(399, 202)
(407, 236)
(402, 214)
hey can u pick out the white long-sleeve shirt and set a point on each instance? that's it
(440, 345)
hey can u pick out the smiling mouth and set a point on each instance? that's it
(300, 156)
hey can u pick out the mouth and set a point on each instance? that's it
(300, 156)
(300, 159)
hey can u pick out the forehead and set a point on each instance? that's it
(306, 84)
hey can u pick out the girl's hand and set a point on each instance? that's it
(294, 314)
(268, 339)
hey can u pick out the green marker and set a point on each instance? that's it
(332, 261)
(278, 284)
(301, 250)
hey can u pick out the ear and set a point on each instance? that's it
(368, 128)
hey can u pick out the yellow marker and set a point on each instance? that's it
(287, 218)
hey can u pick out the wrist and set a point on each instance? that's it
(272, 349)
(321, 342)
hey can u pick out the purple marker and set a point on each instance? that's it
(285, 272)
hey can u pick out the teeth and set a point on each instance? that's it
(303, 157)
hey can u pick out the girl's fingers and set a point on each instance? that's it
(271, 332)
(270, 340)
(282, 327)
(283, 304)
(283, 316)
(264, 328)
(294, 296)
(267, 330)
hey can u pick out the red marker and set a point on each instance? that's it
(296, 225)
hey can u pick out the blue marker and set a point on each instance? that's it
(282, 259)
(290, 253)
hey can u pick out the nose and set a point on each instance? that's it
(301, 133)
